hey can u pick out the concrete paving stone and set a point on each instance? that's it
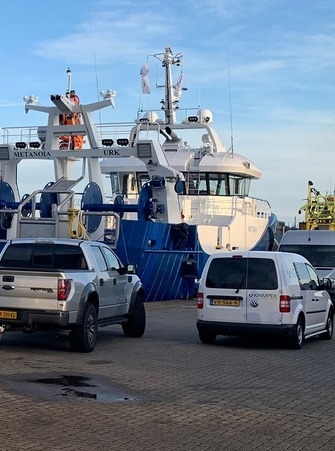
(240, 394)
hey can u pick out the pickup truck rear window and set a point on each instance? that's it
(43, 256)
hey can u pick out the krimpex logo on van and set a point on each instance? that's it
(263, 295)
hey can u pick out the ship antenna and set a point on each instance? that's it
(95, 66)
(69, 75)
(230, 106)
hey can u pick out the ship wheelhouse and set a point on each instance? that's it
(216, 184)
(196, 183)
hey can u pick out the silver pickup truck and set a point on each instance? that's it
(74, 285)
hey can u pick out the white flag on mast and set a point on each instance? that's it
(145, 79)
(178, 87)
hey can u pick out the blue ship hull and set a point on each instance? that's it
(153, 248)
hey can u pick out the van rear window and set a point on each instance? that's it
(242, 273)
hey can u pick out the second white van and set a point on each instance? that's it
(317, 246)
(251, 293)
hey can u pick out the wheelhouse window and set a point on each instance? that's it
(115, 182)
(239, 185)
(131, 183)
(216, 184)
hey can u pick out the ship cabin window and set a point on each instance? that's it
(142, 179)
(115, 182)
(239, 185)
(131, 183)
(216, 184)
(204, 183)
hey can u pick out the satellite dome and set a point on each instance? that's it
(205, 116)
(151, 116)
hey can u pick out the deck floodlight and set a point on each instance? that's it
(35, 145)
(107, 94)
(122, 142)
(107, 142)
(20, 145)
(31, 100)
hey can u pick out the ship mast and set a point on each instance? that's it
(170, 102)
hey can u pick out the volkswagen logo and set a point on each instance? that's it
(254, 303)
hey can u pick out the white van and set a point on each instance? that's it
(251, 293)
(318, 246)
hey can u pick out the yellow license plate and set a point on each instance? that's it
(226, 302)
(8, 315)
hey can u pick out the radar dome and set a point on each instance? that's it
(150, 116)
(205, 116)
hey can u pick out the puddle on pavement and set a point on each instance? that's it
(70, 386)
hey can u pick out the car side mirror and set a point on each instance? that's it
(131, 269)
(326, 283)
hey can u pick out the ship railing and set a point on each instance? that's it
(31, 133)
(229, 206)
(132, 132)
(109, 131)
(114, 131)
(15, 134)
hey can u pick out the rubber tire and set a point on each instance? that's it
(135, 325)
(330, 327)
(297, 339)
(83, 338)
(207, 337)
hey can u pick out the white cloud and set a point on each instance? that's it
(109, 37)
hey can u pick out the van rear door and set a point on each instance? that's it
(225, 290)
(262, 292)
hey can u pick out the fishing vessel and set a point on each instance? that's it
(173, 187)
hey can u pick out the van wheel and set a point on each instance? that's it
(297, 339)
(83, 338)
(207, 337)
(135, 325)
(329, 327)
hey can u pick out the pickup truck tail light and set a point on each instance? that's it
(64, 286)
(284, 303)
(200, 304)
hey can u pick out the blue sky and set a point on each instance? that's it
(280, 55)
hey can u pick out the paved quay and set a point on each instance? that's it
(166, 391)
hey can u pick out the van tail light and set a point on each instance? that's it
(64, 287)
(200, 304)
(284, 303)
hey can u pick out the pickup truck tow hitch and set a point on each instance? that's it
(2, 330)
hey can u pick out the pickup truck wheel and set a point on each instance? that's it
(135, 326)
(84, 337)
(297, 339)
(329, 327)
